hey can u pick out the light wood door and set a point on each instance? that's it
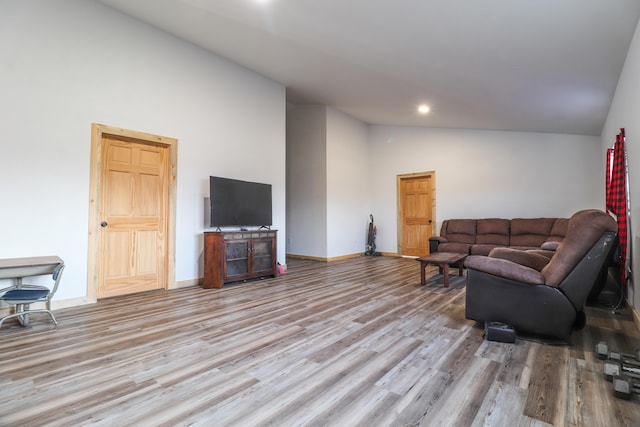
(133, 194)
(415, 203)
(132, 246)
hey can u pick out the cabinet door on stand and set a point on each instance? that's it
(237, 259)
(263, 251)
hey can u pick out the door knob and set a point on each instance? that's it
(103, 224)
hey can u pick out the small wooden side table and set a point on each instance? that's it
(443, 260)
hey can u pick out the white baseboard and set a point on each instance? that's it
(71, 302)
(187, 283)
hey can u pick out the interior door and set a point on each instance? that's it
(416, 202)
(133, 217)
(132, 212)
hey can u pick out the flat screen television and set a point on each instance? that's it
(239, 203)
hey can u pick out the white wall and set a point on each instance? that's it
(307, 180)
(483, 174)
(69, 63)
(625, 113)
(327, 190)
(348, 205)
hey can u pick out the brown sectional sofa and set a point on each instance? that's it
(534, 274)
(480, 236)
(538, 295)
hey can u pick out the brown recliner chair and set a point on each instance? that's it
(541, 295)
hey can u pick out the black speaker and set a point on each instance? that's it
(496, 331)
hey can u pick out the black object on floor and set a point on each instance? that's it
(496, 331)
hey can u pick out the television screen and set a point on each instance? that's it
(239, 203)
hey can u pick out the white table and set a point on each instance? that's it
(18, 268)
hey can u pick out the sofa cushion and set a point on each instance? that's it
(504, 268)
(550, 245)
(492, 231)
(461, 231)
(556, 235)
(559, 230)
(546, 253)
(530, 232)
(527, 258)
(482, 249)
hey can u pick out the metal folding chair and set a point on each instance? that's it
(23, 295)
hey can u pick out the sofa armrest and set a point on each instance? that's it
(434, 242)
(550, 245)
(505, 268)
(526, 258)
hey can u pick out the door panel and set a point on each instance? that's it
(416, 216)
(146, 253)
(148, 197)
(116, 260)
(119, 190)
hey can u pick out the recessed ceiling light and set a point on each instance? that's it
(423, 109)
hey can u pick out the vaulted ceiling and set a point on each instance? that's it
(523, 65)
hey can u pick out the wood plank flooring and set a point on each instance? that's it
(348, 343)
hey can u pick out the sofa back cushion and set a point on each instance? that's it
(460, 230)
(492, 231)
(559, 230)
(530, 232)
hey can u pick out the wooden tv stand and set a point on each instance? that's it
(231, 256)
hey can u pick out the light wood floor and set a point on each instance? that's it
(349, 343)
